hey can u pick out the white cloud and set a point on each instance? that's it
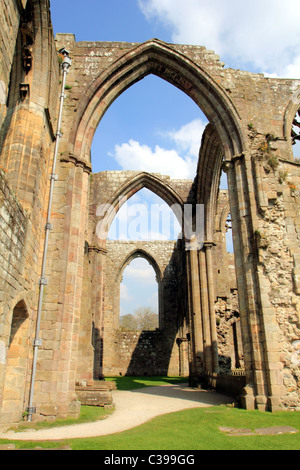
(135, 156)
(152, 218)
(141, 270)
(188, 137)
(140, 157)
(293, 70)
(265, 34)
(145, 216)
(124, 294)
(153, 301)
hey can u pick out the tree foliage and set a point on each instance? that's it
(144, 318)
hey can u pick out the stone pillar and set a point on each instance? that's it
(183, 346)
(196, 314)
(56, 370)
(238, 209)
(257, 318)
(205, 310)
(97, 285)
(211, 302)
(74, 277)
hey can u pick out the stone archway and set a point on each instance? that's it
(107, 210)
(139, 252)
(142, 352)
(225, 129)
(168, 63)
(16, 364)
(104, 258)
(249, 135)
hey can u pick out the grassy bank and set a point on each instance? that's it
(198, 429)
(193, 429)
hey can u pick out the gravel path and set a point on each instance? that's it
(132, 408)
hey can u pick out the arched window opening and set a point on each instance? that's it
(295, 134)
(230, 351)
(144, 131)
(19, 317)
(139, 308)
(229, 240)
(145, 216)
(16, 364)
(228, 225)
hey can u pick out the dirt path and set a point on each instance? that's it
(132, 408)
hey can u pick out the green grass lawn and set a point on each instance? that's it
(130, 383)
(88, 414)
(193, 429)
(198, 429)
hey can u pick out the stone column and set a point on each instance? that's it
(75, 242)
(97, 293)
(241, 250)
(56, 373)
(196, 314)
(183, 347)
(205, 310)
(211, 301)
(252, 304)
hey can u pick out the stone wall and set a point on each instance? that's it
(145, 353)
(103, 265)
(122, 349)
(17, 253)
(278, 238)
(11, 13)
(28, 119)
(249, 135)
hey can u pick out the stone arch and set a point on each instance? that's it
(139, 253)
(224, 216)
(108, 210)
(208, 176)
(16, 362)
(129, 351)
(166, 62)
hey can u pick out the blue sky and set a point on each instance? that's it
(153, 126)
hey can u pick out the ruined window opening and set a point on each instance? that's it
(139, 296)
(228, 224)
(229, 240)
(295, 135)
(143, 131)
(145, 216)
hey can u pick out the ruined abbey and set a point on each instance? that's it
(225, 320)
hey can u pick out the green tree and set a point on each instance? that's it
(128, 322)
(144, 318)
(147, 318)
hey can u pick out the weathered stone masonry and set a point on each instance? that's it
(248, 136)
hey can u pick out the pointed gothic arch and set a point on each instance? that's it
(134, 254)
(161, 59)
(208, 176)
(140, 253)
(108, 211)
